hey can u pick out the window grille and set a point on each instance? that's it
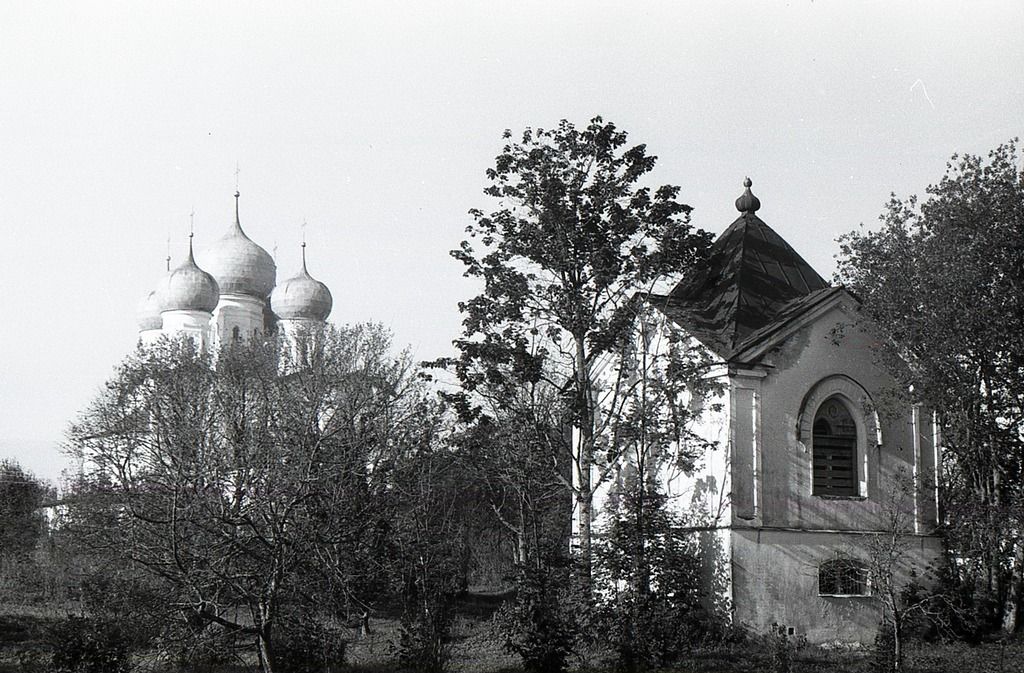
(843, 577)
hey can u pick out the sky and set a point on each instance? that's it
(374, 123)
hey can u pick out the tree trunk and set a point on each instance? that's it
(265, 636)
(897, 643)
(266, 651)
(1012, 608)
(586, 505)
(585, 460)
(521, 543)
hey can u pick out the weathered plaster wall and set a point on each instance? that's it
(784, 451)
(775, 581)
(783, 533)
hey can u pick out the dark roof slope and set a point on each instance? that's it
(750, 279)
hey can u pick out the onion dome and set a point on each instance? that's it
(239, 265)
(148, 313)
(189, 288)
(301, 296)
(747, 203)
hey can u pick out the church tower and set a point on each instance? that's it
(301, 304)
(188, 295)
(246, 274)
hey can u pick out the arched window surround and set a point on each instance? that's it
(858, 402)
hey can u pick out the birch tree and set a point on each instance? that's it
(575, 233)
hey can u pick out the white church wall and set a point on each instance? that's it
(776, 556)
(195, 324)
(238, 312)
(775, 580)
(809, 356)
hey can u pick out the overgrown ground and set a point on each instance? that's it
(24, 648)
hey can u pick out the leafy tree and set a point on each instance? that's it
(22, 523)
(510, 454)
(431, 543)
(244, 490)
(944, 278)
(649, 572)
(25, 570)
(649, 575)
(575, 235)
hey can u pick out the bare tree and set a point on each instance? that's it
(891, 571)
(243, 487)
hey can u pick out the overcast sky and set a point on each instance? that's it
(374, 123)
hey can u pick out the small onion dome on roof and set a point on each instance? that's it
(301, 296)
(189, 288)
(747, 203)
(239, 265)
(148, 313)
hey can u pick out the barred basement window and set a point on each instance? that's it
(835, 449)
(843, 577)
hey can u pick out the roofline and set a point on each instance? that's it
(786, 328)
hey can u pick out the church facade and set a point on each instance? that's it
(812, 468)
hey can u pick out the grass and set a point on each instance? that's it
(475, 649)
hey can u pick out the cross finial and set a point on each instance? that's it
(304, 247)
(168, 252)
(237, 171)
(238, 222)
(192, 221)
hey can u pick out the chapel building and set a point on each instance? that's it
(808, 456)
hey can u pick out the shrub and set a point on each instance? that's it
(137, 604)
(782, 649)
(425, 643)
(542, 623)
(883, 654)
(652, 582)
(89, 645)
(303, 644)
(201, 647)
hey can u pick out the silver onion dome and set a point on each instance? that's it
(189, 288)
(301, 296)
(239, 265)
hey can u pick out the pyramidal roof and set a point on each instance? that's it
(752, 275)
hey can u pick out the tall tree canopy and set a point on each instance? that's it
(944, 278)
(574, 237)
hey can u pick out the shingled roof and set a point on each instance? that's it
(752, 278)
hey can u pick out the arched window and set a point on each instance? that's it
(843, 577)
(236, 334)
(834, 442)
